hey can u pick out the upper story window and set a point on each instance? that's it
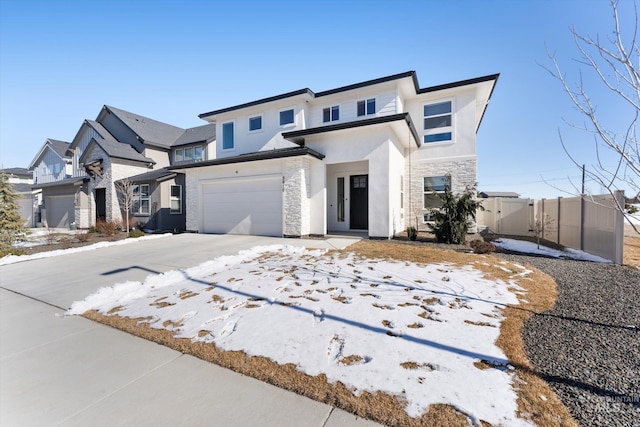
(189, 154)
(367, 107)
(227, 136)
(255, 123)
(437, 122)
(287, 117)
(331, 114)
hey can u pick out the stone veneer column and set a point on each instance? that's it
(295, 199)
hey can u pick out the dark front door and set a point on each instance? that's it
(101, 204)
(359, 204)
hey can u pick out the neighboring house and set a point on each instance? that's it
(52, 176)
(122, 145)
(28, 199)
(502, 194)
(365, 157)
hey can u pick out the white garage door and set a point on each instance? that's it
(243, 206)
(60, 211)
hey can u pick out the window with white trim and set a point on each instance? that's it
(176, 199)
(433, 187)
(189, 154)
(255, 123)
(438, 122)
(287, 117)
(228, 142)
(331, 114)
(366, 107)
(141, 199)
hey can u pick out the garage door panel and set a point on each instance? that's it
(243, 206)
(60, 211)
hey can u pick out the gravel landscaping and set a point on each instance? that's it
(587, 347)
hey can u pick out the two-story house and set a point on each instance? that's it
(121, 145)
(365, 157)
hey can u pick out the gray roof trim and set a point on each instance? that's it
(460, 83)
(305, 91)
(297, 136)
(398, 76)
(76, 181)
(253, 157)
(114, 149)
(158, 175)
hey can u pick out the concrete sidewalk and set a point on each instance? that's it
(57, 370)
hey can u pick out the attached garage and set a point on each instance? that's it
(247, 205)
(60, 211)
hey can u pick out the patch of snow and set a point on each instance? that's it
(10, 259)
(527, 247)
(374, 325)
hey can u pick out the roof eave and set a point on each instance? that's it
(305, 91)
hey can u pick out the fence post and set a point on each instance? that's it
(540, 218)
(582, 207)
(559, 210)
(619, 227)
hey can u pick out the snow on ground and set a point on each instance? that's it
(413, 331)
(526, 247)
(10, 259)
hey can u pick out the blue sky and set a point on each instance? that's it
(172, 60)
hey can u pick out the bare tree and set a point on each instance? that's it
(125, 188)
(614, 62)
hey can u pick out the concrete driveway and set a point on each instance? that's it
(57, 370)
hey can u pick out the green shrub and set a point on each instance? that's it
(136, 233)
(451, 221)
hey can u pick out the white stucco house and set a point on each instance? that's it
(363, 157)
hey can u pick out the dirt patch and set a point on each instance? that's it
(68, 241)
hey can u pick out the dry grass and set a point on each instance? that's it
(631, 252)
(380, 407)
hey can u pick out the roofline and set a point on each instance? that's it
(186, 144)
(67, 181)
(94, 141)
(460, 83)
(46, 144)
(162, 178)
(297, 136)
(304, 91)
(385, 79)
(252, 157)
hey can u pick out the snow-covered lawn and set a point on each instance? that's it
(417, 332)
(10, 259)
(527, 247)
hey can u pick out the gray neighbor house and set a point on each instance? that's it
(78, 178)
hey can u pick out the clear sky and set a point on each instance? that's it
(60, 61)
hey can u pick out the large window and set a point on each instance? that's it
(255, 123)
(331, 114)
(434, 186)
(189, 154)
(227, 136)
(437, 122)
(141, 199)
(176, 199)
(286, 117)
(367, 107)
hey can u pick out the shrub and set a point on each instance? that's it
(108, 228)
(412, 233)
(482, 247)
(451, 221)
(82, 237)
(6, 250)
(136, 233)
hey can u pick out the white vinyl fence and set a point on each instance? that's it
(592, 224)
